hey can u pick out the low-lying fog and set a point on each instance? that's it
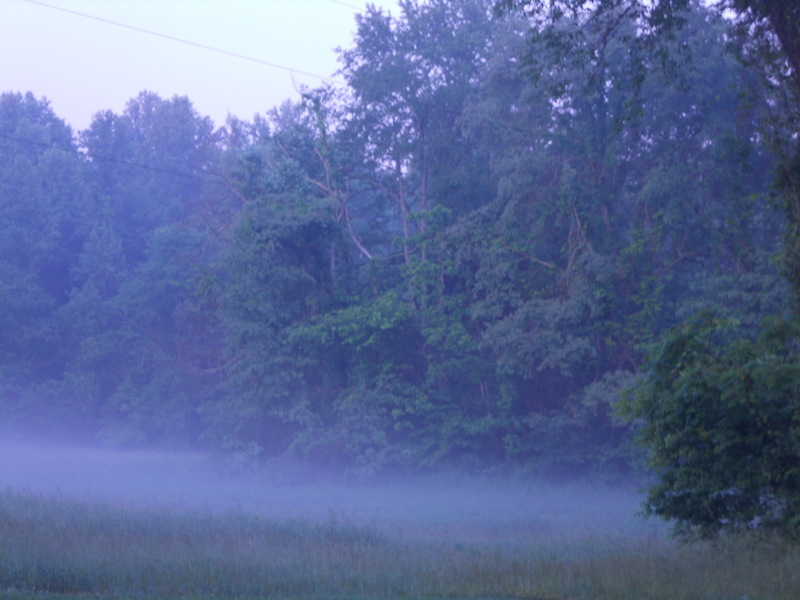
(455, 508)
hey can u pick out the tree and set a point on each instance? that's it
(277, 271)
(770, 23)
(42, 231)
(767, 37)
(618, 206)
(716, 404)
(149, 166)
(409, 80)
(139, 333)
(720, 416)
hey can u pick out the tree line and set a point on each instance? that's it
(460, 257)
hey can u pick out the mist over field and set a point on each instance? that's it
(429, 507)
(77, 521)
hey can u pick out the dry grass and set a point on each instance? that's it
(61, 549)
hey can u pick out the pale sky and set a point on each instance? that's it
(84, 66)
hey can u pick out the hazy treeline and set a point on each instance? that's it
(444, 260)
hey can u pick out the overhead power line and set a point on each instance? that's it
(340, 3)
(208, 177)
(179, 40)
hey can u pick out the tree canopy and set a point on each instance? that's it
(718, 401)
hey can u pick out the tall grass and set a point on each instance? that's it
(58, 548)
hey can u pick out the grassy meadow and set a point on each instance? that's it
(57, 548)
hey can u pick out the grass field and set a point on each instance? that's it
(57, 548)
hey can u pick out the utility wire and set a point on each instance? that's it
(178, 40)
(199, 176)
(340, 3)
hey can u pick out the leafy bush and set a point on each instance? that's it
(720, 416)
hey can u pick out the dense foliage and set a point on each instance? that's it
(446, 261)
(718, 403)
(721, 415)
